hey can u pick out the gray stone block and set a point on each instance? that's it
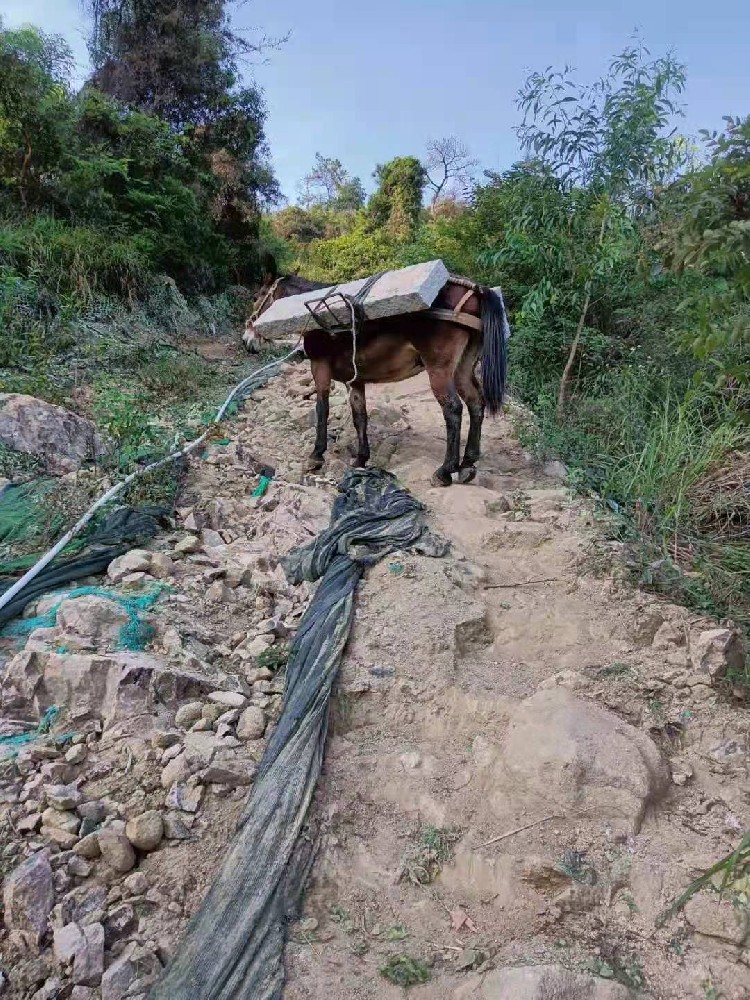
(409, 289)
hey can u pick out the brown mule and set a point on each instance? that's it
(466, 323)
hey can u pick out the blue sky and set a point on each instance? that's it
(365, 81)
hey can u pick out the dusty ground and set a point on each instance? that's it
(439, 657)
(507, 687)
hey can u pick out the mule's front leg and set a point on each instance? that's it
(358, 403)
(321, 372)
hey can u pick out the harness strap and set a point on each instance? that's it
(463, 300)
(463, 319)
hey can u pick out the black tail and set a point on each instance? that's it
(495, 333)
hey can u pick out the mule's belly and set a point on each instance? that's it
(385, 358)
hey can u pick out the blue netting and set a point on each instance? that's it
(134, 634)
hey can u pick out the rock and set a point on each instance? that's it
(571, 757)
(135, 561)
(83, 947)
(539, 982)
(63, 796)
(171, 752)
(61, 439)
(252, 724)
(84, 905)
(29, 823)
(116, 849)
(211, 713)
(63, 838)
(76, 754)
(176, 770)
(79, 867)
(254, 648)
(121, 922)
(228, 718)
(186, 798)
(234, 777)
(29, 895)
(83, 993)
(713, 917)
(162, 567)
(95, 811)
(88, 847)
(228, 699)
(717, 651)
(166, 740)
(50, 990)
(570, 679)
(186, 546)
(174, 827)
(120, 975)
(211, 539)
(66, 941)
(136, 884)
(145, 832)
(186, 715)
(91, 623)
(88, 965)
(220, 593)
(61, 820)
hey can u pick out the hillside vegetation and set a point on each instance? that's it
(144, 199)
(624, 254)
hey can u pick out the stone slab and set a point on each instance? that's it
(409, 289)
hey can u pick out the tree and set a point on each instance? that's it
(397, 203)
(705, 232)
(330, 185)
(613, 137)
(35, 105)
(449, 168)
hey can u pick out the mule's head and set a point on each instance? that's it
(273, 289)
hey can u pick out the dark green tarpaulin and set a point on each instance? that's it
(234, 947)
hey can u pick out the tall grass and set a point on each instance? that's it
(672, 467)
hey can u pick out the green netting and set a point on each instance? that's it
(134, 634)
(27, 521)
(10, 745)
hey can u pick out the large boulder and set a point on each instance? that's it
(91, 623)
(539, 982)
(716, 652)
(568, 756)
(61, 439)
(28, 896)
(113, 687)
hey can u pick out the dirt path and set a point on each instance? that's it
(490, 692)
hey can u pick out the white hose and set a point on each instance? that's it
(47, 558)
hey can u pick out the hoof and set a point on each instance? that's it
(314, 464)
(441, 478)
(467, 474)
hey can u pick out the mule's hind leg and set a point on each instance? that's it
(321, 373)
(358, 403)
(441, 356)
(470, 391)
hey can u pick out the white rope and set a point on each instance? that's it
(47, 558)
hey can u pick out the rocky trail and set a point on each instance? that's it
(527, 760)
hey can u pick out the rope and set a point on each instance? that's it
(355, 304)
(183, 452)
